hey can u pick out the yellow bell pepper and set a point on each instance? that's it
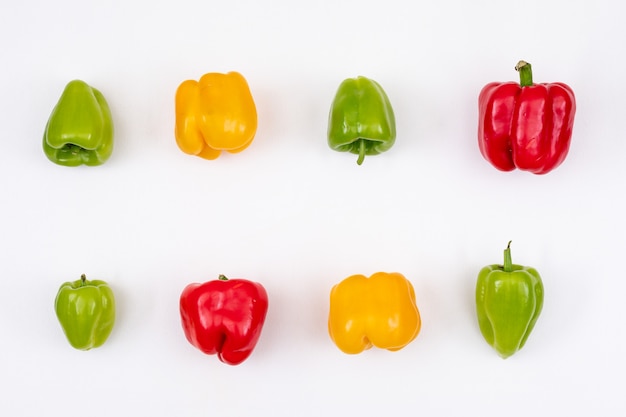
(215, 114)
(376, 311)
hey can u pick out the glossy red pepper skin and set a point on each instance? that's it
(224, 317)
(528, 127)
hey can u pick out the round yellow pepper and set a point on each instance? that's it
(215, 114)
(376, 311)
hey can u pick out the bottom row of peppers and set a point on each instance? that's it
(224, 317)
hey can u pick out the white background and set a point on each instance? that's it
(299, 217)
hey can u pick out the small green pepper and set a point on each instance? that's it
(86, 311)
(509, 299)
(80, 128)
(361, 119)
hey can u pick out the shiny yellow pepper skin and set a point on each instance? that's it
(376, 311)
(215, 114)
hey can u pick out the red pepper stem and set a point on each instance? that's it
(222, 277)
(525, 73)
(361, 151)
(508, 263)
(83, 278)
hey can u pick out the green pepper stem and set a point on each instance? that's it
(361, 152)
(508, 263)
(525, 73)
(222, 277)
(83, 279)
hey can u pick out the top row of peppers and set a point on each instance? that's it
(521, 125)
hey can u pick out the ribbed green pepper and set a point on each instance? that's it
(509, 299)
(80, 128)
(361, 119)
(86, 311)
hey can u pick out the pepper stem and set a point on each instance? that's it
(222, 277)
(83, 278)
(361, 152)
(525, 73)
(508, 263)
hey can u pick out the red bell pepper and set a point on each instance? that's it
(224, 317)
(526, 126)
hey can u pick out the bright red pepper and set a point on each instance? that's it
(526, 126)
(224, 317)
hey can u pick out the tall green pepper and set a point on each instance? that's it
(80, 128)
(361, 119)
(509, 299)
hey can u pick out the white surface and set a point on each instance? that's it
(298, 217)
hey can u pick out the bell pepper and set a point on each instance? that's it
(80, 128)
(361, 119)
(86, 311)
(215, 114)
(509, 299)
(376, 311)
(526, 126)
(224, 317)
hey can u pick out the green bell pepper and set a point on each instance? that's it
(509, 299)
(361, 119)
(86, 311)
(80, 128)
